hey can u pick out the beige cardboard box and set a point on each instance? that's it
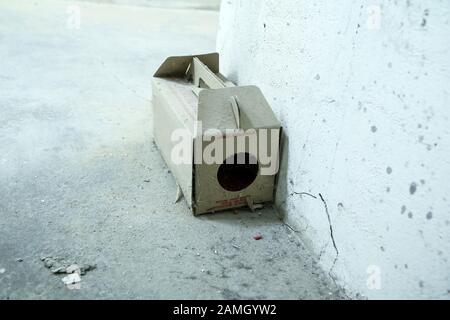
(220, 141)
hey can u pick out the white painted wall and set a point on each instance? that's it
(363, 95)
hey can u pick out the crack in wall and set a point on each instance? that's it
(322, 251)
(303, 193)
(331, 234)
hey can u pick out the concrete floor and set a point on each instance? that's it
(183, 4)
(81, 179)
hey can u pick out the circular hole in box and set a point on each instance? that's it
(238, 171)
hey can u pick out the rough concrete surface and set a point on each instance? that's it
(80, 178)
(362, 91)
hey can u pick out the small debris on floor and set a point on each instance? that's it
(253, 206)
(87, 267)
(19, 259)
(257, 236)
(73, 268)
(55, 264)
(179, 194)
(71, 278)
(72, 281)
(236, 247)
(58, 270)
(74, 271)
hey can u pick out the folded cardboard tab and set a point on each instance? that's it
(198, 112)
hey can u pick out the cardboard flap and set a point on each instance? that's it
(176, 66)
(203, 77)
(215, 109)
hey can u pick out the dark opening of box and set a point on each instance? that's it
(238, 172)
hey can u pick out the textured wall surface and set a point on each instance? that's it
(362, 89)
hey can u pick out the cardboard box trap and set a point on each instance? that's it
(220, 141)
